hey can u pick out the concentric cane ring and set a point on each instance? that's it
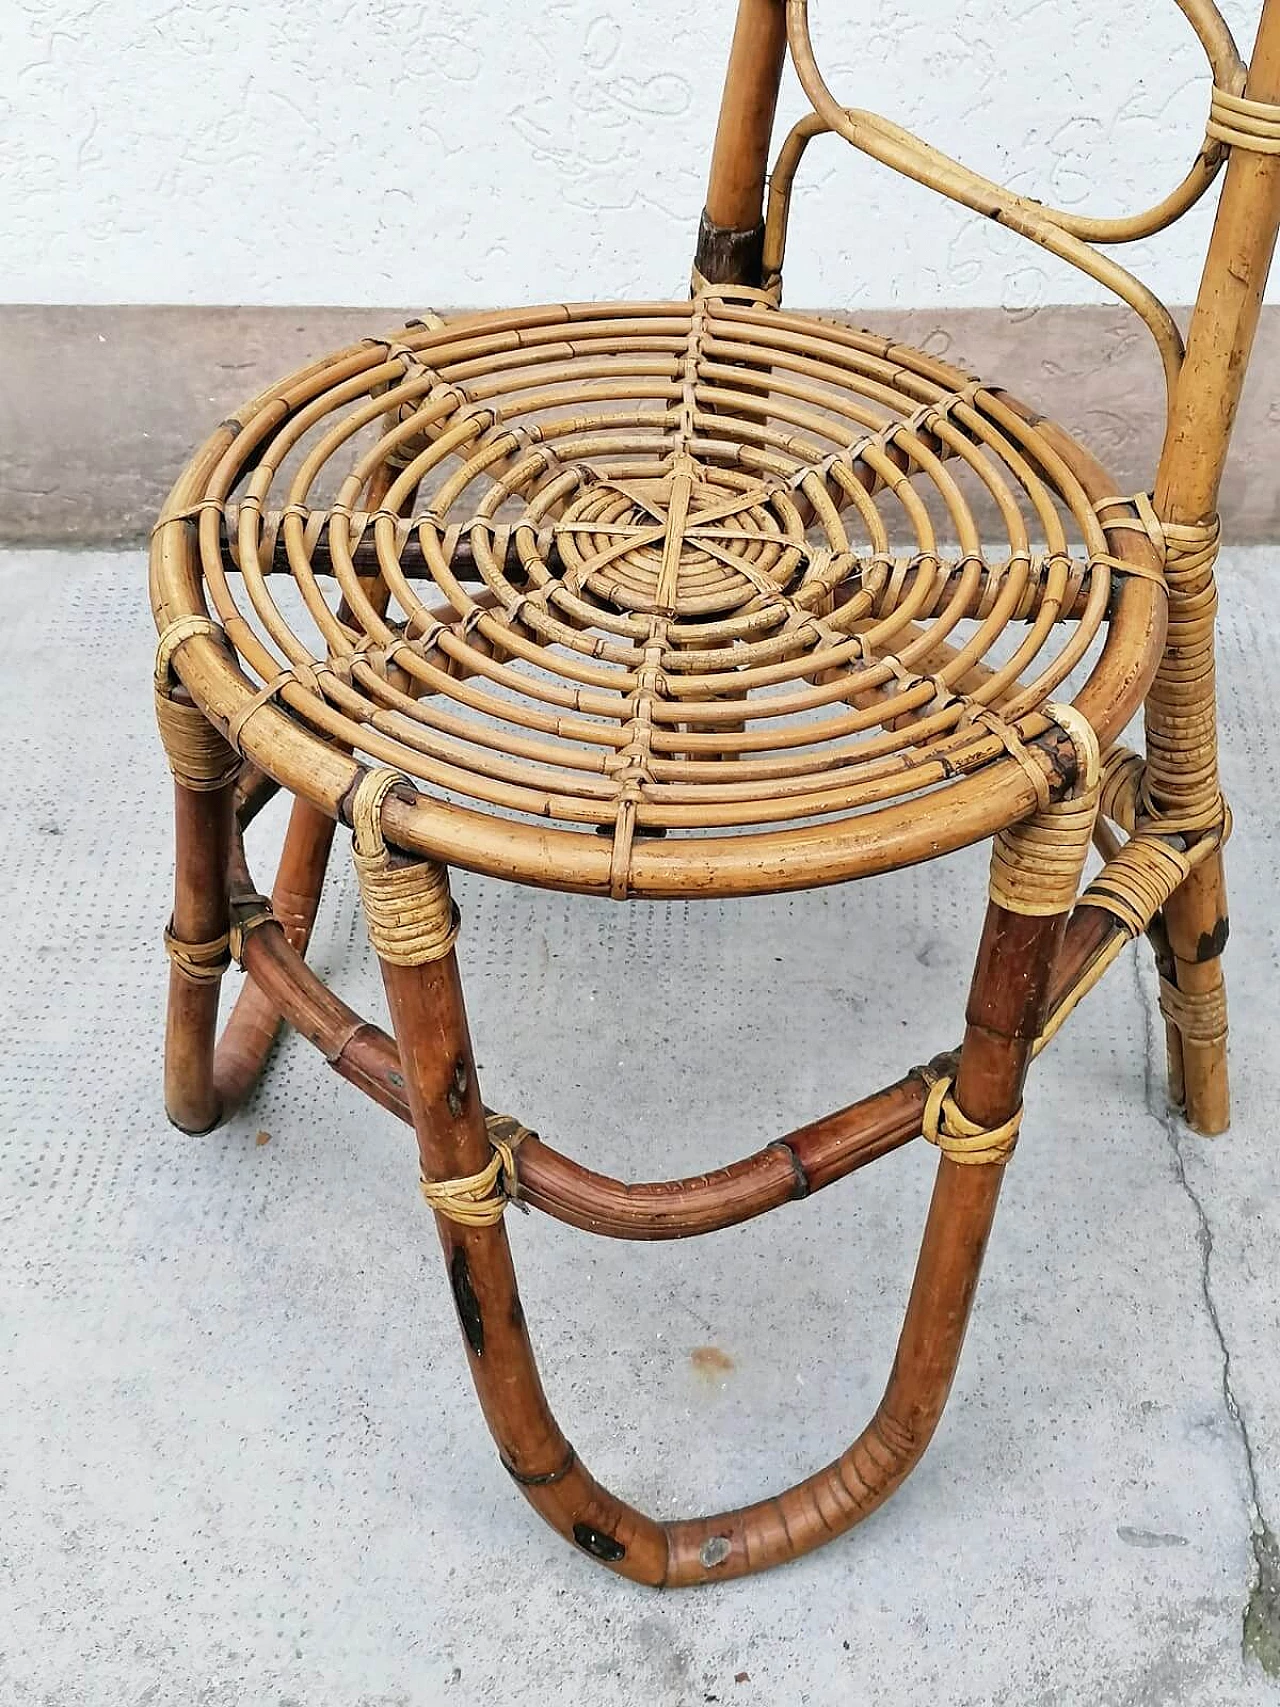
(704, 570)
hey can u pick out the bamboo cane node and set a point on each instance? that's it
(1239, 123)
(543, 1478)
(198, 962)
(1199, 1015)
(946, 1125)
(480, 1199)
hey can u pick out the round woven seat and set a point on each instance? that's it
(679, 598)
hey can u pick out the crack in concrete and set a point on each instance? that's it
(1260, 1633)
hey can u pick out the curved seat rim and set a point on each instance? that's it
(867, 843)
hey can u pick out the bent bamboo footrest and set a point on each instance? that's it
(707, 598)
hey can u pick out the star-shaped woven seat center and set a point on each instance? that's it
(684, 545)
(696, 597)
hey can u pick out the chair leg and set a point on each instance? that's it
(255, 1022)
(1180, 792)
(198, 956)
(469, 1173)
(204, 770)
(1193, 999)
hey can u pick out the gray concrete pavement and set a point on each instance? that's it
(241, 1462)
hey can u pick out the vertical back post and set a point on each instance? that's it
(1225, 317)
(1180, 790)
(731, 235)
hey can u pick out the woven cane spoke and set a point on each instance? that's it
(695, 567)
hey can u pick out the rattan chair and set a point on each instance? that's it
(706, 598)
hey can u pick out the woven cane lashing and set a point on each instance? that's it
(658, 569)
(200, 759)
(408, 909)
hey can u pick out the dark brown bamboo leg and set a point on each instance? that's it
(203, 837)
(204, 768)
(430, 1025)
(429, 1021)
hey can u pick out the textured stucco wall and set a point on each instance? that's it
(330, 151)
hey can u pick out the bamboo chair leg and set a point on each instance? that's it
(197, 943)
(255, 1021)
(469, 1173)
(1194, 999)
(204, 770)
(1181, 732)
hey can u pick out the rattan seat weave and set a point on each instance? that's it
(705, 577)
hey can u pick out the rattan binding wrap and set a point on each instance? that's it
(1180, 784)
(960, 1139)
(1200, 1015)
(1136, 882)
(1036, 865)
(1253, 125)
(198, 754)
(480, 1199)
(410, 914)
(198, 962)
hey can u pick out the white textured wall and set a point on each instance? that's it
(396, 152)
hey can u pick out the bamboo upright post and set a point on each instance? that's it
(1181, 712)
(731, 237)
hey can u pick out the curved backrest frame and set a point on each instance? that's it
(743, 237)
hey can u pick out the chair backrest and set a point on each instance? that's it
(743, 234)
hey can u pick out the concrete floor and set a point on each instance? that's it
(242, 1463)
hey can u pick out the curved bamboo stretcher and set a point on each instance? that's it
(708, 598)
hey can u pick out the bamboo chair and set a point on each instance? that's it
(689, 599)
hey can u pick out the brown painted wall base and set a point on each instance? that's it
(100, 407)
